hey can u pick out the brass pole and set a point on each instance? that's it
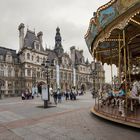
(128, 58)
(119, 65)
(125, 69)
(111, 65)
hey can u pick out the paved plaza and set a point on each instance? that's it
(70, 120)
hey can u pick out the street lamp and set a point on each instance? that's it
(94, 74)
(46, 66)
(33, 78)
(1, 84)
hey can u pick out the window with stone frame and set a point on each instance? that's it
(69, 77)
(54, 74)
(44, 75)
(32, 58)
(43, 59)
(65, 75)
(9, 84)
(9, 71)
(23, 55)
(51, 74)
(28, 72)
(16, 84)
(1, 57)
(28, 56)
(38, 74)
(76, 77)
(16, 72)
(37, 58)
(61, 75)
(1, 70)
(37, 46)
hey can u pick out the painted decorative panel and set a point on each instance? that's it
(94, 30)
(106, 16)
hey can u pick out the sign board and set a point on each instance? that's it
(45, 95)
(34, 90)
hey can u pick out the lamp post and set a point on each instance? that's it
(1, 83)
(34, 78)
(46, 66)
(94, 74)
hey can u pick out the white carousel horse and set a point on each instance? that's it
(134, 94)
(135, 89)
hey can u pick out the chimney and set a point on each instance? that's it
(81, 52)
(72, 50)
(39, 35)
(21, 35)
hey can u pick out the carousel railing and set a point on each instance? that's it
(125, 108)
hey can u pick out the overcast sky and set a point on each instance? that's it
(72, 16)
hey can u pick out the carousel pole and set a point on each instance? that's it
(119, 65)
(128, 58)
(111, 65)
(97, 58)
(94, 77)
(124, 48)
(125, 69)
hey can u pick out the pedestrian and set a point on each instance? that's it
(71, 95)
(23, 95)
(55, 97)
(67, 95)
(59, 97)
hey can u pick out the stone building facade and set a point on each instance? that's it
(23, 70)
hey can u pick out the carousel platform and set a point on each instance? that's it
(111, 114)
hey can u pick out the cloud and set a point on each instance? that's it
(72, 16)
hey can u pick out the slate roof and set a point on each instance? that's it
(78, 57)
(3, 52)
(29, 39)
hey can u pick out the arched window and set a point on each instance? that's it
(28, 56)
(32, 58)
(37, 58)
(1, 70)
(9, 72)
(29, 72)
(37, 46)
(43, 59)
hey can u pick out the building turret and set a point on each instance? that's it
(39, 35)
(21, 35)
(58, 46)
(72, 53)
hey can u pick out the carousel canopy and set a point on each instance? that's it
(105, 31)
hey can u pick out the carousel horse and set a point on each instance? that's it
(134, 99)
(115, 99)
(107, 98)
(135, 89)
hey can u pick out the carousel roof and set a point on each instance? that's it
(105, 31)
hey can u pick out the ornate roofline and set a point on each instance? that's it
(93, 19)
(105, 15)
(105, 6)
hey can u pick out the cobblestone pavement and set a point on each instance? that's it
(70, 120)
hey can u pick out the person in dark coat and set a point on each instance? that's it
(55, 97)
(71, 95)
(67, 95)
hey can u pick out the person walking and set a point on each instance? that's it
(55, 97)
(67, 95)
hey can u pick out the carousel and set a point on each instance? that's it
(113, 37)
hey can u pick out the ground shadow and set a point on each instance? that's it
(42, 106)
(114, 123)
